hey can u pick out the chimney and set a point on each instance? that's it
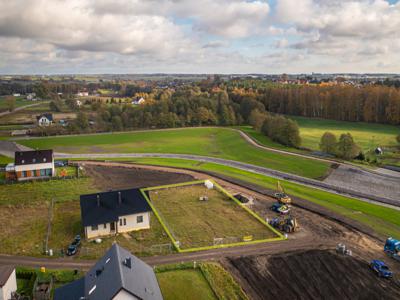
(98, 200)
(119, 198)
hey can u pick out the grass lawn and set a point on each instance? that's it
(215, 218)
(43, 191)
(5, 160)
(27, 205)
(367, 135)
(185, 284)
(218, 142)
(197, 281)
(383, 220)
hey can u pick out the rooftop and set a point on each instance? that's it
(107, 207)
(117, 270)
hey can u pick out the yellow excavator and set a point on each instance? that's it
(281, 195)
(286, 224)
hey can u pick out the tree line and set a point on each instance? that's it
(374, 104)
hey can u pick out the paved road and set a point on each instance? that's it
(373, 198)
(214, 254)
(4, 113)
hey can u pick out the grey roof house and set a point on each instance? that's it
(117, 275)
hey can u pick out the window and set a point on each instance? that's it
(34, 160)
(139, 219)
(105, 225)
(24, 174)
(22, 161)
(94, 227)
(124, 221)
(44, 159)
(43, 172)
(48, 172)
(120, 222)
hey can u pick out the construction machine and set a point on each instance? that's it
(392, 248)
(287, 224)
(281, 195)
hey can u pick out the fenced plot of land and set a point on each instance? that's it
(216, 222)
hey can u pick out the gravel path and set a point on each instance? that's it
(365, 182)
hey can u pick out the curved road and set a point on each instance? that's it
(4, 113)
(246, 167)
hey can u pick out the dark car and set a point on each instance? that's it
(60, 163)
(381, 268)
(73, 247)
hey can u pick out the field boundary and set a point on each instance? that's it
(279, 237)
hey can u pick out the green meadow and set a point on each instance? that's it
(216, 142)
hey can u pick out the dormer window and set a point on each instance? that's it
(34, 160)
(44, 159)
(23, 161)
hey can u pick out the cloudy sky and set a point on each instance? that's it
(199, 36)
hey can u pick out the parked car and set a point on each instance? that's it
(73, 247)
(60, 163)
(280, 208)
(381, 268)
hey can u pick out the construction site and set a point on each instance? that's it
(309, 264)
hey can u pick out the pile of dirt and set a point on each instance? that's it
(106, 178)
(314, 274)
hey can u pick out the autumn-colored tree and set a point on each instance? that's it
(346, 147)
(328, 143)
(256, 119)
(10, 102)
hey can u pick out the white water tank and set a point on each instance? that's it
(209, 184)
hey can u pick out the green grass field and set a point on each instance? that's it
(200, 281)
(367, 135)
(185, 284)
(217, 142)
(19, 101)
(31, 202)
(385, 221)
(216, 217)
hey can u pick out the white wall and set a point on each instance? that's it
(101, 231)
(131, 225)
(124, 295)
(38, 166)
(9, 287)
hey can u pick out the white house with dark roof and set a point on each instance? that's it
(45, 120)
(8, 282)
(114, 212)
(35, 164)
(118, 275)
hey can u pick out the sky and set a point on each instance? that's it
(199, 36)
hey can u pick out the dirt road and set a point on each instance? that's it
(4, 113)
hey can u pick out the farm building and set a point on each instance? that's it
(35, 164)
(8, 282)
(114, 212)
(45, 120)
(117, 275)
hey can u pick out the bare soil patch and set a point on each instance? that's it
(120, 177)
(314, 274)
